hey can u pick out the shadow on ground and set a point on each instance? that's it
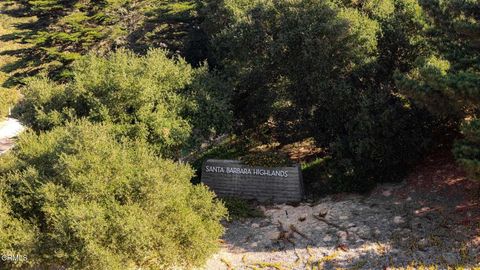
(430, 220)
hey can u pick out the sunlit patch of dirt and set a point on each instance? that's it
(301, 151)
(298, 151)
(430, 221)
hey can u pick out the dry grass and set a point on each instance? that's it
(11, 63)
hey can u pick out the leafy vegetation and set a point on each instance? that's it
(152, 98)
(283, 77)
(80, 199)
(446, 78)
(315, 176)
(365, 96)
(117, 92)
(8, 98)
(241, 209)
(342, 94)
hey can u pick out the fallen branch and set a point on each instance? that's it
(331, 224)
(294, 229)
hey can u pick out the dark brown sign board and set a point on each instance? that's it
(231, 178)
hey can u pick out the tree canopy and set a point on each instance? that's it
(446, 79)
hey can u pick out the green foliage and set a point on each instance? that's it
(467, 149)
(82, 200)
(381, 139)
(315, 177)
(16, 236)
(151, 98)
(445, 79)
(241, 209)
(84, 23)
(428, 85)
(270, 53)
(267, 158)
(65, 29)
(8, 98)
(402, 39)
(325, 69)
(208, 109)
(49, 7)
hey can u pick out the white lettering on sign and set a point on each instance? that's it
(237, 170)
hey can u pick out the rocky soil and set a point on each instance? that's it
(430, 220)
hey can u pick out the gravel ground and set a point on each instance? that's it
(385, 230)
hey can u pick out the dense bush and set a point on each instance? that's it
(467, 149)
(241, 209)
(165, 102)
(17, 237)
(446, 78)
(270, 52)
(382, 138)
(325, 69)
(8, 98)
(77, 198)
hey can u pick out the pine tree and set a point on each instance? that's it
(447, 81)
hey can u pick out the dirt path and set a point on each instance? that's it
(432, 219)
(9, 129)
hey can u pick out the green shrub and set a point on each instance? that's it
(153, 98)
(286, 76)
(467, 149)
(8, 98)
(380, 139)
(240, 208)
(95, 203)
(17, 237)
(315, 178)
(269, 159)
(445, 80)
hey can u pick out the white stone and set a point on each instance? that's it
(272, 235)
(450, 258)
(387, 193)
(327, 238)
(364, 232)
(342, 235)
(398, 220)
